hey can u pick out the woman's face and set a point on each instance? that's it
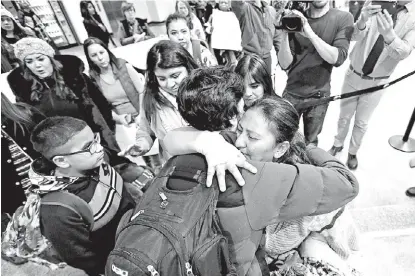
(253, 91)
(179, 32)
(255, 140)
(40, 65)
(29, 22)
(99, 55)
(91, 9)
(223, 5)
(7, 23)
(130, 14)
(170, 79)
(181, 8)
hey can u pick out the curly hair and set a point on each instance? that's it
(38, 87)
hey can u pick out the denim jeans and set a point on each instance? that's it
(313, 117)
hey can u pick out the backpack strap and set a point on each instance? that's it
(73, 203)
(197, 54)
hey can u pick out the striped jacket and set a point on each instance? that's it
(84, 242)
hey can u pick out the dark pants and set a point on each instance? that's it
(313, 117)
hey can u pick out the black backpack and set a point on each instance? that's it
(172, 232)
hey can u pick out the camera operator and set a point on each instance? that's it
(309, 56)
(383, 39)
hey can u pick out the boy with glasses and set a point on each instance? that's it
(75, 163)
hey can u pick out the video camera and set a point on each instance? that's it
(291, 22)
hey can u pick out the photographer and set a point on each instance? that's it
(309, 56)
(385, 35)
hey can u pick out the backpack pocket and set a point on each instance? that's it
(129, 262)
(212, 258)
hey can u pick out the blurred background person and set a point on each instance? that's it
(257, 23)
(93, 22)
(196, 29)
(178, 30)
(11, 32)
(132, 29)
(225, 34)
(200, 9)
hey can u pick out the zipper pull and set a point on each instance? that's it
(153, 271)
(136, 215)
(164, 201)
(189, 271)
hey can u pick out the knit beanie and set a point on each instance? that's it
(31, 45)
(5, 12)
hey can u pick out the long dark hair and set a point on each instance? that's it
(189, 16)
(92, 66)
(38, 86)
(85, 13)
(24, 116)
(284, 121)
(164, 55)
(18, 31)
(251, 65)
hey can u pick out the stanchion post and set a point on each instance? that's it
(404, 143)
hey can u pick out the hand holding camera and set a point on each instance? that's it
(306, 29)
(385, 26)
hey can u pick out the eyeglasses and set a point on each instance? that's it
(94, 147)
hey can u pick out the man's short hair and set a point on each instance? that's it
(53, 132)
(208, 98)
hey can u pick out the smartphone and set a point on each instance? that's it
(390, 6)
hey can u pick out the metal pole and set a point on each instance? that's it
(404, 143)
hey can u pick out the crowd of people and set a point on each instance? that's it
(207, 96)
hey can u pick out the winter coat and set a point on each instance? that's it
(91, 106)
(94, 30)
